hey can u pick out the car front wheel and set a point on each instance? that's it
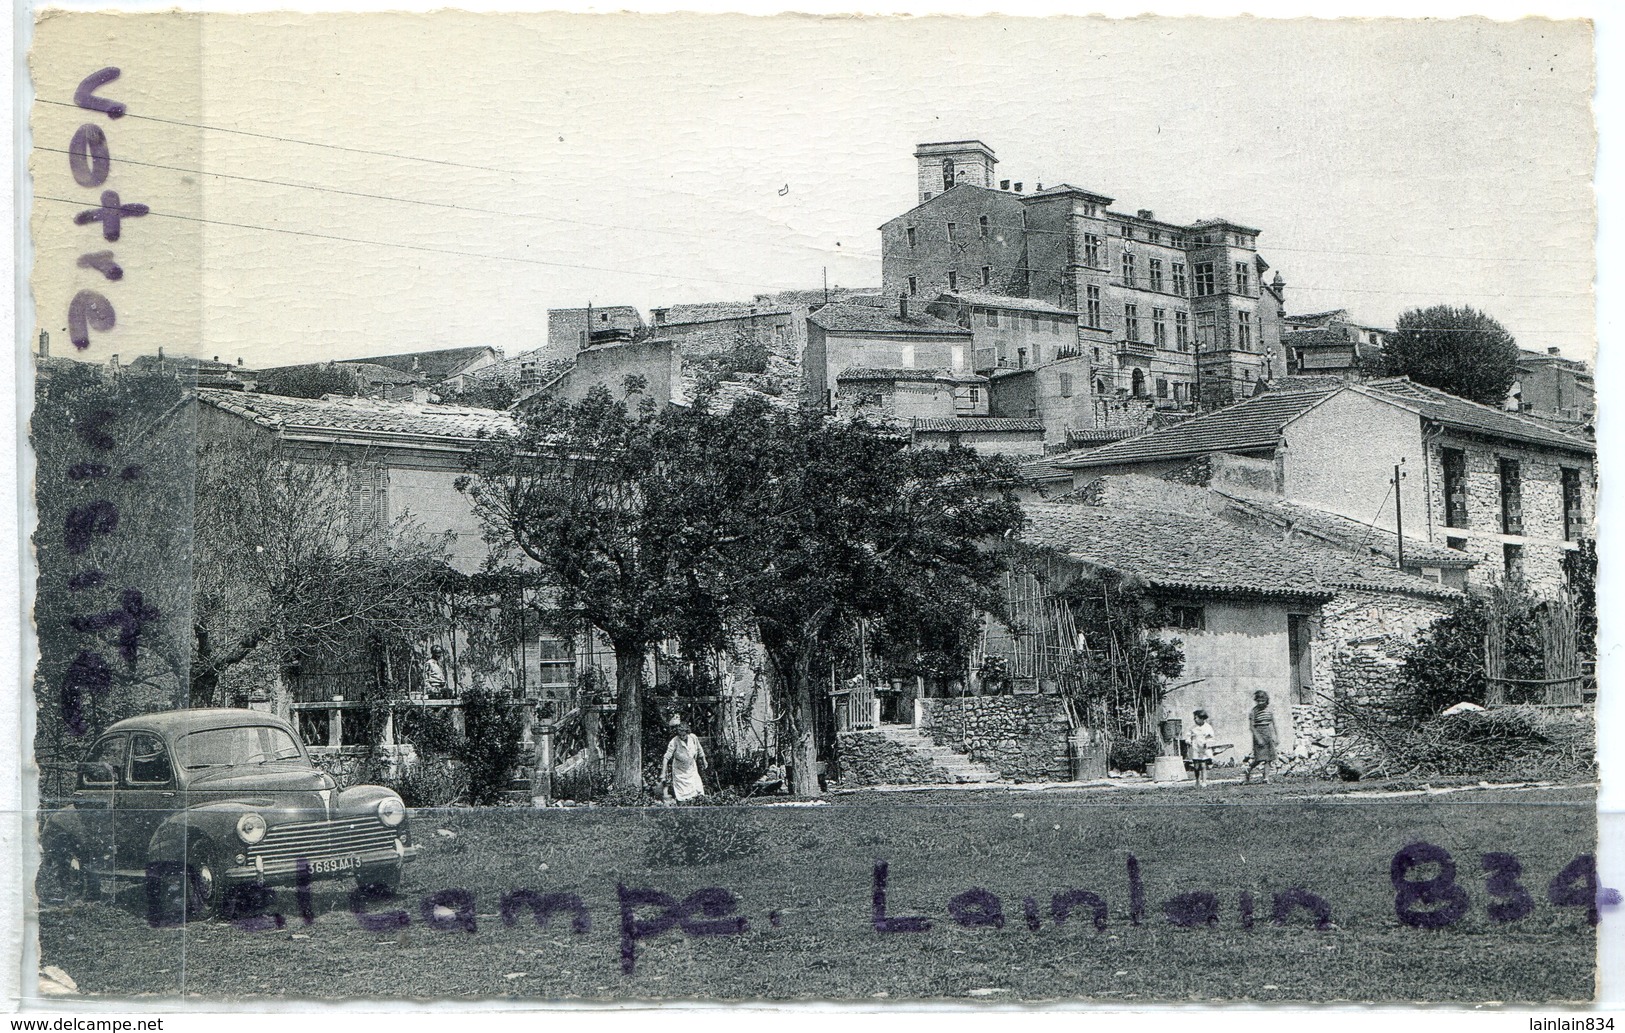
(191, 891)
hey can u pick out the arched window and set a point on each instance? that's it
(947, 173)
(1139, 383)
(984, 226)
(1100, 386)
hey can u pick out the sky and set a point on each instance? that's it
(429, 181)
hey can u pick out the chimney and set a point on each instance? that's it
(160, 353)
(1554, 350)
(217, 358)
(239, 360)
(112, 362)
(1004, 184)
(1039, 188)
(902, 304)
(1018, 188)
(1146, 213)
(44, 344)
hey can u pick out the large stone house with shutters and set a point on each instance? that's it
(400, 459)
(1508, 492)
(1185, 314)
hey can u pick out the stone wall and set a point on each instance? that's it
(869, 759)
(1024, 738)
(362, 765)
(1542, 539)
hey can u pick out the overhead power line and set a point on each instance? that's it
(435, 250)
(446, 205)
(290, 139)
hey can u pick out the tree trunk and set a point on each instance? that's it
(802, 755)
(629, 714)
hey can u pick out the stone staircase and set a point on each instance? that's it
(959, 766)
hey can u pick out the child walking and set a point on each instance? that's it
(1200, 738)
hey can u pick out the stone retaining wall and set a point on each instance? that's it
(1024, 738)
(871, 759)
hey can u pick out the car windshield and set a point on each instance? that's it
(227, 747)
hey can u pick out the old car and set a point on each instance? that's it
(193, 803)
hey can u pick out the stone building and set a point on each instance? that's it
(1183, 312)
(1554, 387)
(571, 329)
(399, 462)
(841, 336)
(1330, 344)
(1254, 606)
(1509, 492)
(908, 393)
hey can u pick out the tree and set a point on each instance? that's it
(799, 527)
(1459, 350)
(285, 565)
(112, 599)
(577, 493)
(312, 381)
(482, 394)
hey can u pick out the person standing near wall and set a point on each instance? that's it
(1263, 726)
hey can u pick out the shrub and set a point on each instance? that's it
(1445, 665)
(489, 749)
(1134, 754)
(430, 782)
(730, 770)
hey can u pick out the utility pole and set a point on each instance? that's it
(1399, 515)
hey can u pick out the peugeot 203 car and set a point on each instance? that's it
(195, 802)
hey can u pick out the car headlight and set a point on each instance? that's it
(391, 811)
(251, 828)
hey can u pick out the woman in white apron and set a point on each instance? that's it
(681, 767)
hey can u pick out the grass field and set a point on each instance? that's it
(803, 877)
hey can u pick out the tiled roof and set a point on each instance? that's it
(817, 296)
(1346, 532)
(887, 373)
(1100, 435)
(370, 416)
(718, 311)
(372, 374)
(1178, 551)
(434, 365)
(867, 319)
(976, 425)
(1007, 302)
(1247, 426)
(1319, 337)
(1460, 414)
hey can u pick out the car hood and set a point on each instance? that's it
(274, 781)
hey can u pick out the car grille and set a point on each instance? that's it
(313, 840)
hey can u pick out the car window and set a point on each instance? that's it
(111, 751)
(149, 761)
(227, 747)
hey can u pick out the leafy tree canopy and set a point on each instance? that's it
(1459, 350)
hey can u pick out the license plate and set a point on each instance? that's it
(323, 865)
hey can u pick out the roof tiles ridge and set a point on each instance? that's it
(1431, 392)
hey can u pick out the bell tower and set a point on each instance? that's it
(945, 165)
